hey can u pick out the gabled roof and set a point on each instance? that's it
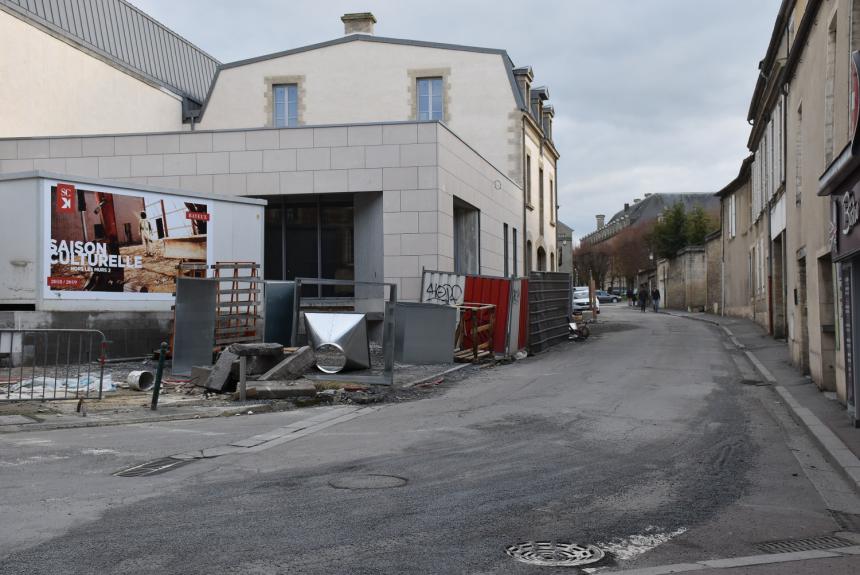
(509, 65)
(125, 37)
(562, 228)
(742, 177)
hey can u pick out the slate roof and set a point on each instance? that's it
(127, 38)
(651, 207)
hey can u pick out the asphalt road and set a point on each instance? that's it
(642, 440)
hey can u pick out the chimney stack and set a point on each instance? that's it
(626, 208)
(601, 219)
(358, 23)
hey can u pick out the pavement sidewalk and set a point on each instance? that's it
(823, 416)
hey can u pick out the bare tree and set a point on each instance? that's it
(591, 261)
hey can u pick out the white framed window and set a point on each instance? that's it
(798, 156)
(431, 102)
(286, 108)
(528, 181)
(732, 216)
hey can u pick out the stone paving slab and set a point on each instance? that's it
(15, 420)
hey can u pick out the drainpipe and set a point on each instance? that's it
(769, 274)
(723, 258)
(525, 203)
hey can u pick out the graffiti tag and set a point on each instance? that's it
(443, 293)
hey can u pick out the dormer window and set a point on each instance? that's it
(430, 99)
(286, 105)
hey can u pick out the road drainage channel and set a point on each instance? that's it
(279, 436)
(555, 554)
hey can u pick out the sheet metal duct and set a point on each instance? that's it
(339, 340)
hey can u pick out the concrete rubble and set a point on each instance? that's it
(266, 362)
(219, 379)
(280, 389)
(292, 367)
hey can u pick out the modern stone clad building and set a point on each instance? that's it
(437, 156)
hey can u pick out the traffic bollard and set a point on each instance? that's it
(156, 389)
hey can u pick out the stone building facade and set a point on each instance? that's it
(438, 156)
(777, 213)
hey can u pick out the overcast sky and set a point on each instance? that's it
(650, 95)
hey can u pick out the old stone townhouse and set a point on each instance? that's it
(788, 247)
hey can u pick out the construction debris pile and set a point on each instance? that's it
(271, 371)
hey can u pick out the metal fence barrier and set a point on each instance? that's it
(549, 309)
(51, 364)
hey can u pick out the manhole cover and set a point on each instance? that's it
(153, 467)
(367, 482)
(553, 554)
(810, 544)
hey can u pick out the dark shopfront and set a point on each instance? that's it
(312, 237)
(842, 183)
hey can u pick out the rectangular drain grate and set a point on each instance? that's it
(847, 521)
(810, 544)
(153, 467)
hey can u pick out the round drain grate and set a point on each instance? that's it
(367, 482)
(553, 554)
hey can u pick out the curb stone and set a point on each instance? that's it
(74, 422)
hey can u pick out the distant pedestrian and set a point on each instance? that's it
(655, 299)
(630, 297)
(643, 297)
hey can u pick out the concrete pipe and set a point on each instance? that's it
(141, 380)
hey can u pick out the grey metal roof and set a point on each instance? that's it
(126, 37)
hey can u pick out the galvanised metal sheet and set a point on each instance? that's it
(424, 333)
(126, 36)
(194, 323)
(278, 299)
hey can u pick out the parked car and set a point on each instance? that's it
(582, 303)
(606, 297)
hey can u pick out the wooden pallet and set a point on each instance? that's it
(237, 313)
(474, 335)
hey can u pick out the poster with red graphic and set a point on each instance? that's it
(113, 243)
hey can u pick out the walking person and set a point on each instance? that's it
(655, 299)
(630, 297)
(643, 297)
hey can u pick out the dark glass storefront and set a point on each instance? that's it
(311, 236)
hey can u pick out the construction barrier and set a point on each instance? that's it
(509, 296)
(549, 309)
